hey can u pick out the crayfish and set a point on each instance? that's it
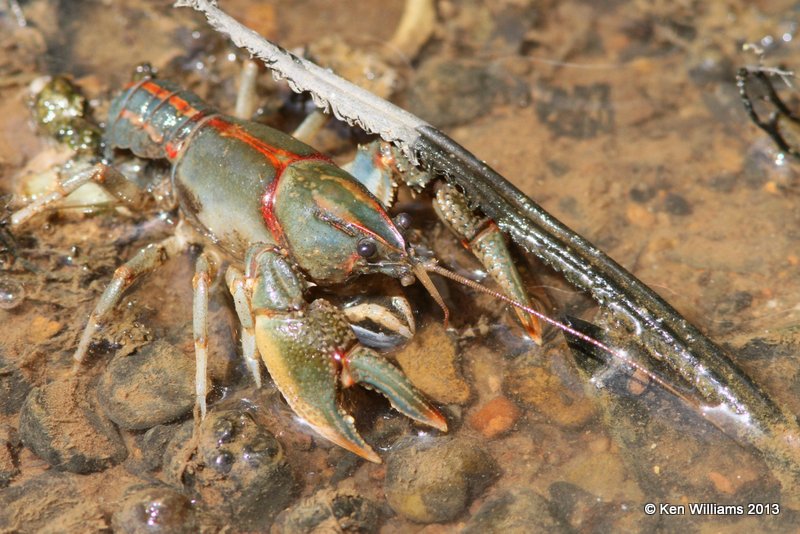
(281, 218)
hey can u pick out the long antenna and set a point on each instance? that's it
(433, 267)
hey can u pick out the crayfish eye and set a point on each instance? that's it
(367, 248)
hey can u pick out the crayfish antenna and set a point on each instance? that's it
(431, 266)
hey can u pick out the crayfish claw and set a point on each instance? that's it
(364, 366)
(483, 237)
(337, 426)
(306, 354)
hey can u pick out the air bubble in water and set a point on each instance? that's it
(11, 294)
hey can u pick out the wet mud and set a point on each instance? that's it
(623, 119)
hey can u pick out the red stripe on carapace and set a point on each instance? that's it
(162, 96)
(268, 211)
(135, 119)
(279, 159)
(180, 105)
(183, 135)
(268, 198)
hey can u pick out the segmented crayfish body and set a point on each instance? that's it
(240, 182)
(292, 219)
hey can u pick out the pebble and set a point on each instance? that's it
(496, 417)
(175, 464)
(434, 480)
(550, 396)
(722, 483)
(581, 510)
(13, 388)
(153, 445)
(639, 215)
(239, 469)
(331, 510)
(438, 378)
(514, 511)
(154, 509)
(62, 424)
(601, 473)
(9, 463)
(41, 328)
(451, 91)
(676, 204)
(50, 502)
(153, 386)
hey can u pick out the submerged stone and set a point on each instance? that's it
(514, 511)
(153, 386)
(238, 469)
(154, 509)
(434, 481)
(331, 510)
(63, 425)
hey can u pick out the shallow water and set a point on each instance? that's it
(623, 120)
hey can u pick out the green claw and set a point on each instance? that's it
(310, 349)
(300, 352)
(488, 244)
(365, 366)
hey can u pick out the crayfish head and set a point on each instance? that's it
(333, 227)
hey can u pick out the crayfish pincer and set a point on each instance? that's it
(277, 217)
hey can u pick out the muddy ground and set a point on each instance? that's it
(622, 119)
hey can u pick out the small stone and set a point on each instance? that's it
(154, 509)
(550, 396)
(9, 445)
(240, 470)
(438, 378)
(495, 417)
(601, 474)
(434, 481)
(40, 329)
(331, 510)
(581, 510)
(638, 382)
(677, 205)
(721, 483)
(450, 92)
(175, 463)
(62, 424)
(153, 445)
(599, 444)
(13, 388)
(50, 502)
(639, 215)
(514, 511)
(153, 386)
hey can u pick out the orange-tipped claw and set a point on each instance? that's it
(306, 355)
(365, 366)
(531, 324)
